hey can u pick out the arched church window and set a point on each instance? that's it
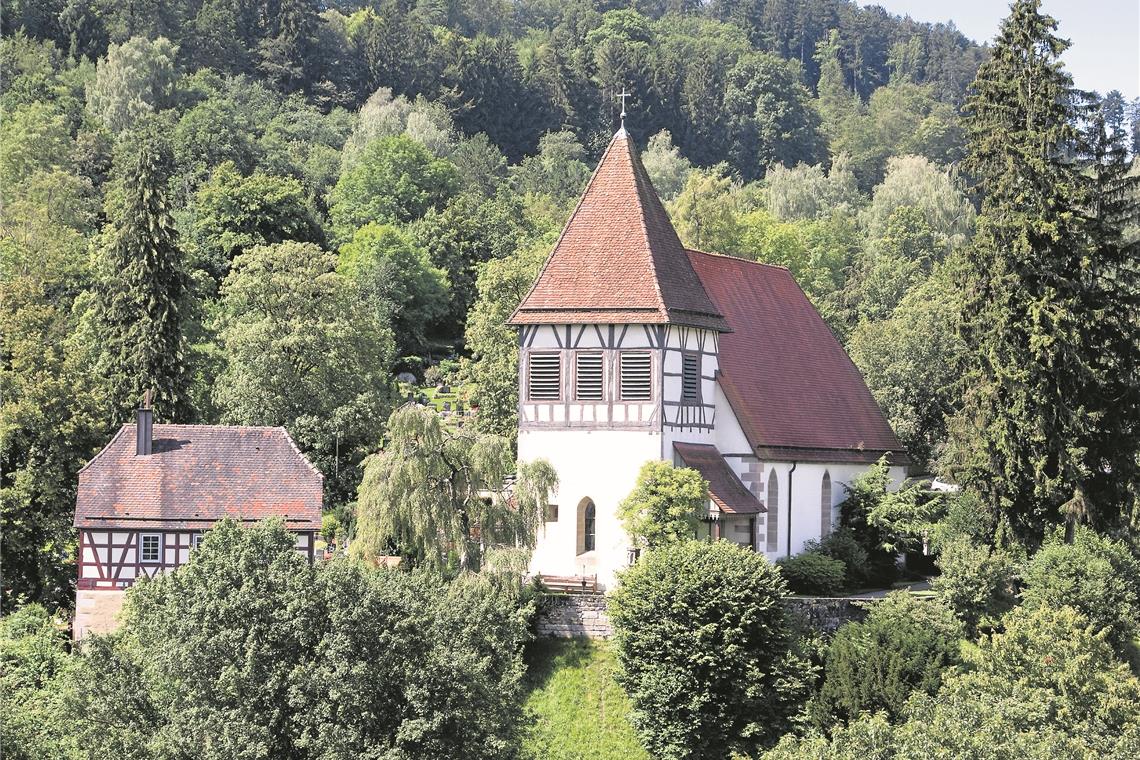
(825, 515)
(587, 526)
(773, 506)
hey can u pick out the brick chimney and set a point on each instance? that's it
(144, 429)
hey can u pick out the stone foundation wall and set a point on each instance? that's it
(826, 614)
(584, 615)
(96, 611)
(573, 615)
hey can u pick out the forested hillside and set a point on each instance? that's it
(265, 210)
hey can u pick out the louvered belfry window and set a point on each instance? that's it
(691, 377)
(545, 379)
(588, 377)
(636, 377)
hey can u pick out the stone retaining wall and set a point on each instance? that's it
(825, 614)
(573, 615)
(584, 615)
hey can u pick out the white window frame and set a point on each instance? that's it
(142, 549)
(196, 540)
(621, 384)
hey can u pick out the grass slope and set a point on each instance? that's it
(577, 710)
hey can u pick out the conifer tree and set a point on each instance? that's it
(1047, 319)
(142, 286)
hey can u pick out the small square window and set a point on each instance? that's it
(198, 539)
(551, 513)
(151, 547)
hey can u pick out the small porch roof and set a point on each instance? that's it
(725, 489)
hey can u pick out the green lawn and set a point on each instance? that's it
(577, 711)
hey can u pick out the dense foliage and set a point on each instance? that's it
(251, 651)
(904, 645)
(813, 573)
(1046, 687)
(707, 654)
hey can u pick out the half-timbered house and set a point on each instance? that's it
(146, 500)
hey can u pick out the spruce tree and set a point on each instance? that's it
(142, 286)
(1048, 430)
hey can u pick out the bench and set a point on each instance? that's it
(570, 584)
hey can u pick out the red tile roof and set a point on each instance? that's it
(725, 489)
(797, 394)
(619, 260)
(198, 474)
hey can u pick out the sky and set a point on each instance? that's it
(1105, 34)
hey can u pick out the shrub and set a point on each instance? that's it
(976, 582)
(33, 659)
(813, 574)
(1095, 575)
(904, 645)
(843, 546)
(706, 650)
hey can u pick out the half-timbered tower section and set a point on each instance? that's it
(146, 500)
(633, 348)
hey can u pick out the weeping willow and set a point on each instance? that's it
(433, 491)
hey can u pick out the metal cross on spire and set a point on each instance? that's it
(623, 95)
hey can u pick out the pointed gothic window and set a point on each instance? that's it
(825, 507)
(636, 376)
(773, 506)
(545, 379)
(588, 376)
(691, 378)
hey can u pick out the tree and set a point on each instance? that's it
(1048, 430)
(705, 213)
(887, 521)
(706, 651)
(245, 652)
(1098, 577)
(141, 296)
(396, 276)
(304, 350)
(1046, 687)
(33, 665)
(135, 80)
(667, 168)
(808, 192)
(976, 581)
(426, 493)
(912, 362)
(905, 645)
(937, 193)
(395, 179)
(230, 214)
(770, 116)
(493, 368)
(558, 170)
(665, 506)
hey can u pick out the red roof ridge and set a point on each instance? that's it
(738, 258)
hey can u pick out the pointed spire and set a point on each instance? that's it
(619, 260)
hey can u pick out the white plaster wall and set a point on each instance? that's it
(807, 485)
(601, 465)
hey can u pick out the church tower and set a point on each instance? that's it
(618, 345)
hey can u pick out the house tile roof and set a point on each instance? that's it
(196, 475)
(796, 392)
(725, 489)
(619, 260)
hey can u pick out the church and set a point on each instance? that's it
(633, 348)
